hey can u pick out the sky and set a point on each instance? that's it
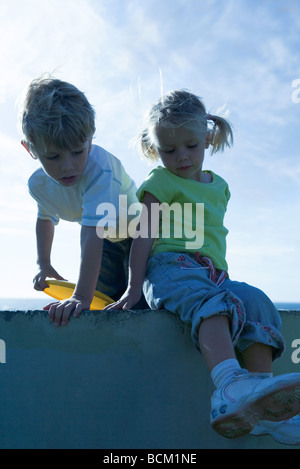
(241, 56)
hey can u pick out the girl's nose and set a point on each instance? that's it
(182, 154)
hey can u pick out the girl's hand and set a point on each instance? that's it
(127, 300)
(60, 311)
(45, 271)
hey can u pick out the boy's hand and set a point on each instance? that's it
(127, 300)
(60, 311)
(39, 281)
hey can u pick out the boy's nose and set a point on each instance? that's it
(67, 164)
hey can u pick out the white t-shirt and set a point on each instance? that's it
(93, 198)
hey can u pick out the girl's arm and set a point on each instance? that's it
(91, 254)
(139, 254)
(44, 238)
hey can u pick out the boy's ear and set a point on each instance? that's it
(24, 144)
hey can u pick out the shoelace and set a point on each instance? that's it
(207, 262)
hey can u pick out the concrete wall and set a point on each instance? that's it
(113, 381)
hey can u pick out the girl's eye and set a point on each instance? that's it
(193, 146)
(168, 151)
(54, 157)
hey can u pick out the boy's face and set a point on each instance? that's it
(66, 167)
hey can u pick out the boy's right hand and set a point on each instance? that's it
(39, 281)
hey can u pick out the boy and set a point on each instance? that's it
(58, 124)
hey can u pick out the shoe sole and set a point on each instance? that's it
(277, 405)
(282, 440)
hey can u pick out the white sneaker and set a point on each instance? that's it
(286, 432)
(246, 399)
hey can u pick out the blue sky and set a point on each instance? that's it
(242, 55)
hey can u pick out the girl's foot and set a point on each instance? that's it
(286, 432)
(245, 399)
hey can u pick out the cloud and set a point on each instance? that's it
(234, 52)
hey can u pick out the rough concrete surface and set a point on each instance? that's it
(112, 380)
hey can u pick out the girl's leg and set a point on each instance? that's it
(258, 358)
(261, 340)
(215, 340)
(216, 346)
(241, 399)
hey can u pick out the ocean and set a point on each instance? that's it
(32, 304)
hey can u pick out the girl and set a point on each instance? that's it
(191, 278)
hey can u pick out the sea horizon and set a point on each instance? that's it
(32, 304)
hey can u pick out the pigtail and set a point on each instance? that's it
(146, 146)
(221, 134)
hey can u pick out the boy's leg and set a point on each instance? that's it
(112, 280)
(113, 276)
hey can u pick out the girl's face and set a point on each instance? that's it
(181, 151)
(66, 167)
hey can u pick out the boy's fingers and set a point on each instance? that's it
(40, 284)
(47, 307)
(57, 276)
(78, 310)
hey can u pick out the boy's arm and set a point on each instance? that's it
(139, 254)
(44, 239)
(91, 253)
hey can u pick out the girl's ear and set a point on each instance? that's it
(24, 144)
(209, 138)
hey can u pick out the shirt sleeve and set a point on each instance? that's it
(44, 210)
(100, 200)
(159, 184)
(101, 197)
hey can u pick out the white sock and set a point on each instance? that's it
(223, 371)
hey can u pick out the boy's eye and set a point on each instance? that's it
(77, 152)
(193, 145)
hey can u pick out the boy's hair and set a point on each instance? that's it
(182, 108)
(56, 114)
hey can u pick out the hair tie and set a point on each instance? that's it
(209, 117)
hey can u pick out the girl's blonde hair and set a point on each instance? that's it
(182, 108)
(55, 114)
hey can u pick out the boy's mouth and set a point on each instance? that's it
(67, 180)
